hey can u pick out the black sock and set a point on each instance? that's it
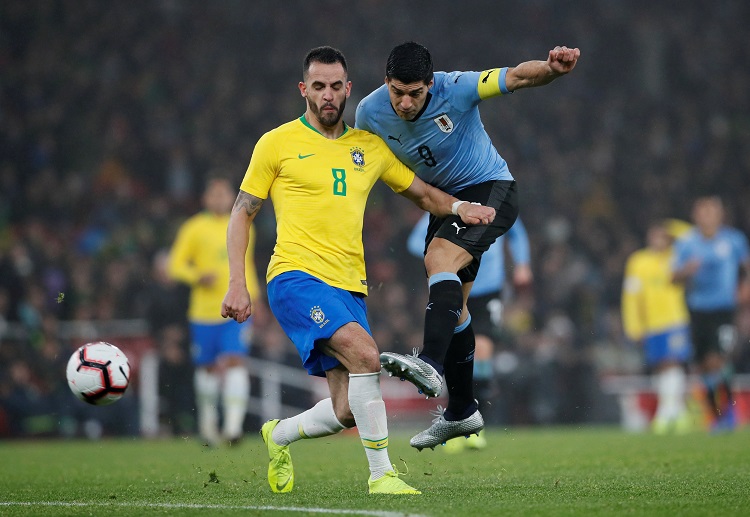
(441, 316)
(459, 375)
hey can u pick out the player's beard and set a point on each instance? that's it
(327, 118)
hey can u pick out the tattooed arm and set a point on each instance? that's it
(237, 303)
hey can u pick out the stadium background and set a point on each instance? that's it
(111, 113)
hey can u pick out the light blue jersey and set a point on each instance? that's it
(714, 285)
(491, 275)
(446, 144)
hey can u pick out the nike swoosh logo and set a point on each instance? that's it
(378, 445)
(281, 487)
(303, 156)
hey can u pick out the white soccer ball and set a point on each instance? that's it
(98, 373)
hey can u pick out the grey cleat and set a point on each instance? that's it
(412, 368)
(443, 430)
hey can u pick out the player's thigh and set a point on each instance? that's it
(443, 255)
(310, 312)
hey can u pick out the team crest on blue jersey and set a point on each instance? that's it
(444, 122)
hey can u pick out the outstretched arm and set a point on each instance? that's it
(560, 61)
(439, 203)
(237, 303)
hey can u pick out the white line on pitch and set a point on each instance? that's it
(211, 507)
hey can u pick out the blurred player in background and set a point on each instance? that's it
(485, 306)
(319, 172)
(199, 258)
(654, 314)
(431, 122)
(709, 261)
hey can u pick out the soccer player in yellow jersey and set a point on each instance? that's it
(199, 258)
(318, 172)
(655, 314)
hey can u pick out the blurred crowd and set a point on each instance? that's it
(112, 113)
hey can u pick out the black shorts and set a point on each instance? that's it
(712, 331)
(486, 312)
(500, 195)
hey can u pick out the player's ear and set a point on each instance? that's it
(348, 88)
(302, 89)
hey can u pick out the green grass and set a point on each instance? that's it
(581, 471)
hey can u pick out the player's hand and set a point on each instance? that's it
(237, 304)
(522, 275)
(691, 267)
(472, 213)
(562, 60)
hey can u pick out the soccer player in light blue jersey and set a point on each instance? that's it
(708, 260)
(431, 122)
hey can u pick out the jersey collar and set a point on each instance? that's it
(306, 123)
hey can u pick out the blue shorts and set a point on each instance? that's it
(670, 345)
(310, 310)
(209, 341)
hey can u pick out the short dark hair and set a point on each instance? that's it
(326, 55)
(409, 62)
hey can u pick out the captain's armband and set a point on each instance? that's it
(492, 83)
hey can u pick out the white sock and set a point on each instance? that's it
(318, 421)
(235, 394)
(670, 389)
(207, 400)
(368, 408)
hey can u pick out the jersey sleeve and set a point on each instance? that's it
(180, 265)
(416, 241)
(263, 168)
(467, 89)
(362, 115)
(518, 243)
(395, 174)
(743, 250)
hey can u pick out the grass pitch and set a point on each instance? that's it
(571, 471)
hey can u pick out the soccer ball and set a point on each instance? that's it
(98, 373)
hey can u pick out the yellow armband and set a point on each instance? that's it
(492, 83)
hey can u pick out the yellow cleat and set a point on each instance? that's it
(476, 441)
(454, 445)
(280, 469)
(391, 484)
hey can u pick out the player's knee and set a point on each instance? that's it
(367, 359)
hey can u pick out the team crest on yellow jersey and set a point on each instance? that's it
(358, 158)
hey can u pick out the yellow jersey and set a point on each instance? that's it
(651, 302)
(319, 189)
(199, 249)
